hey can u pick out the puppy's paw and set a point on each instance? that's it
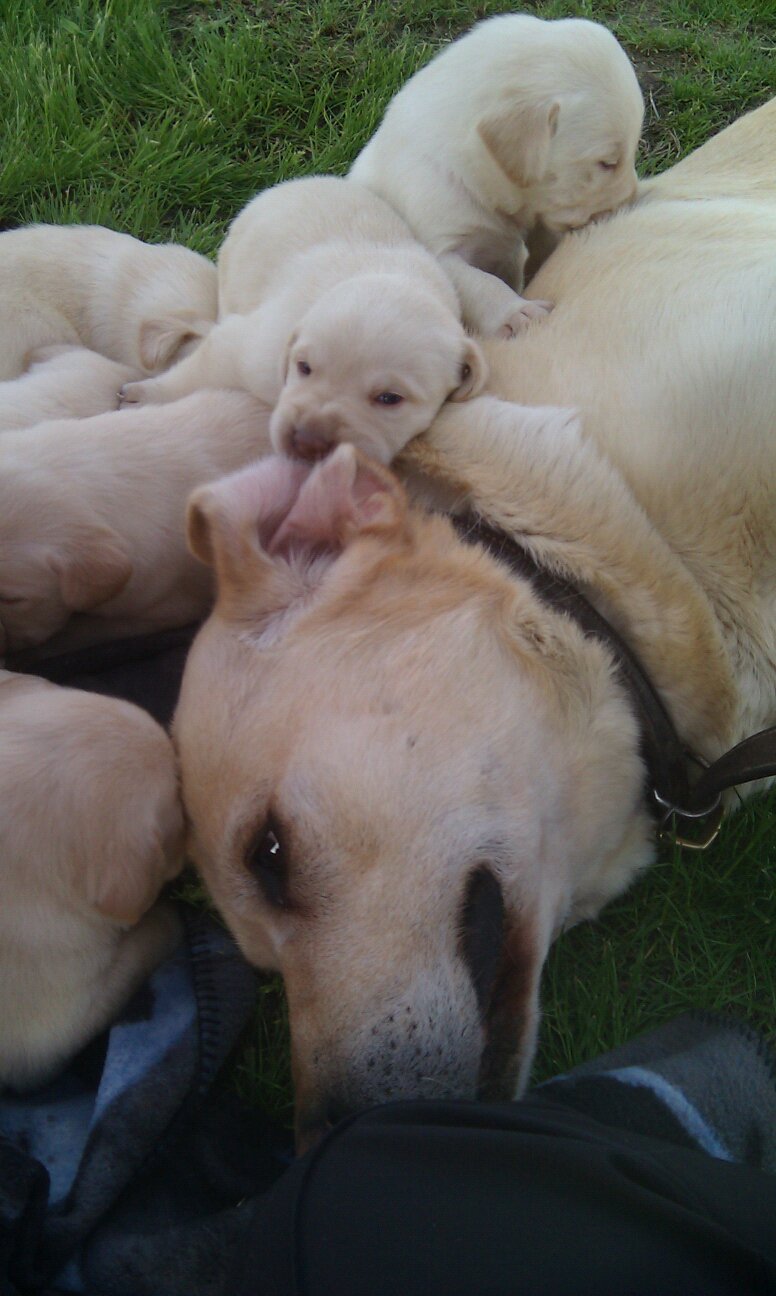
(524, 314)
(136, 393)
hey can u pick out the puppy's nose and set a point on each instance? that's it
(307, 444)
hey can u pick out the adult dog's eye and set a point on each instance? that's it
(388, 398)
(303, 368)
(266, 861)
(609, 166)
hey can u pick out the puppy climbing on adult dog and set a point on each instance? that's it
(521, 122)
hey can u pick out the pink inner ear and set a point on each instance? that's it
(341, 493)
(261, 494)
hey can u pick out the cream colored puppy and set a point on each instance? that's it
(337, 317)
(137, 303)
(91, 827)
(91, 516)
(405, 768)
(520, 121)
(62, 382)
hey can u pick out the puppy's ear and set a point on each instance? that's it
(161, 340)
(518, 139)
(126, 880)
(93, 568)
(474, 372)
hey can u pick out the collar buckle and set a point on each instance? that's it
(667, 827)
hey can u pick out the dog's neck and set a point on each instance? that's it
(549, 487)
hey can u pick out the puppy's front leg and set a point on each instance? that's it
(212, 364)
(489, 306)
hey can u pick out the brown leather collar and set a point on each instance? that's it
(670, 794)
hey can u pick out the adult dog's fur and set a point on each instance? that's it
(137, 303)
(91, 827)
(62, 382)
(336, 316)
(92, 512)
(405, 773)
(520, 121)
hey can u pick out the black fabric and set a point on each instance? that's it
(146, 670)
(461, 1199)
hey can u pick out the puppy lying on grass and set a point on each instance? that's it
(91, 516)
(61, 382)
(332, 313)
(520, 121)
(90, 830)
(139, 304)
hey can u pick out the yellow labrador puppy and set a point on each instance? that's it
(62, 382)
(91, 827)
(91, 516)
(405, 769)
(140, 304)
(336, 316)
(520, 121)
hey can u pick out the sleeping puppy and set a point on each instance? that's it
(61, 382)
(91, 516)
(139, 304)
(521, 121)
(91, 828)
(337, 317)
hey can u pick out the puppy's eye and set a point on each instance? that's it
(388, 398)
(9, 599)
(303, 368)
(266, 861)
(608, 166)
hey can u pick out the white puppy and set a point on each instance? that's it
(91, 516)
(62, 382)
(520, 121)
(88, 286)
(336, 315)
(91, 828)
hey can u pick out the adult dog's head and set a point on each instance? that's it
(403, 776)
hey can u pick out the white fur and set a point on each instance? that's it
(62, 382)
(317, 274)
(515, 123)
(91, 516)
(91, 827)
(137, 303)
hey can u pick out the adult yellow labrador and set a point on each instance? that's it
(406, 765)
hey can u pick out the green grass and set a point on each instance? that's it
(164, 118)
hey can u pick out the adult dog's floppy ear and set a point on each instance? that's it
(160, 340)
(518, 139)
(474, 372)
(285, 509)
(93, 567)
